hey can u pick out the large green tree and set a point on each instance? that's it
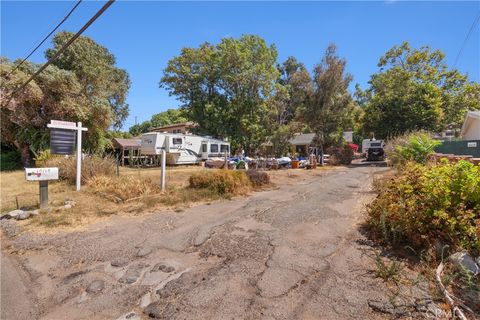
(103, 83)
(83, 84)
(161, 119)
(52, 95)
(413, 90)
(330, 107)
(224, 87)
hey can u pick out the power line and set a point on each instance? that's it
(45, 39)
(467, 37)
(65, 46)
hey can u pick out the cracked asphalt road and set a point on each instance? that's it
(290, 253)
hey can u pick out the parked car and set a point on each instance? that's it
(375, 150)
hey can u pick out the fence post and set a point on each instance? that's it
(162, 175)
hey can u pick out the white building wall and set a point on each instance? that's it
(472, 132)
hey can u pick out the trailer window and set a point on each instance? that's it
(224, 147)
(177, 140)
(214, 148)
(204, 147)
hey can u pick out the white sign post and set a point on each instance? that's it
(71, 126)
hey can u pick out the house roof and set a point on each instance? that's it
(174, 125)
(302, 139)
(470, 116)
(126, 143)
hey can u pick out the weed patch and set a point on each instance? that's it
(258, 178)
(221, 182)
(428, 204)
(125, 187)
(92, 166)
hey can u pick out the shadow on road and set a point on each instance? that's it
(365, 163)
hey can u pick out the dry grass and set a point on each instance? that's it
(123, 187)
(222, 182)
(92, 166)
(93, 207)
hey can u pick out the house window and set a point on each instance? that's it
(214, 148)
(177, 140)
(177, 131)
(204, 147)
(224, 148)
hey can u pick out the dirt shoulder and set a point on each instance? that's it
(293, 252)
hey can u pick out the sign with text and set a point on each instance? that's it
(62, 141)
(59, 123)
(41, 174)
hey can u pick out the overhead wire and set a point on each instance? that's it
(65, 46)
(472, 27)
(45, 38)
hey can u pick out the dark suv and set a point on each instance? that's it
(375, 152)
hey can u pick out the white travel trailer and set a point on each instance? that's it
(183, 148)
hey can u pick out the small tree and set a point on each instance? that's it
(330, 106)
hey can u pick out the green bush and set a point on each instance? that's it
(425, 204)
(222, 182)
(416, 146)
(10, 160)
(43, 156)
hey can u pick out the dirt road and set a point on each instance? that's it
(290, 253)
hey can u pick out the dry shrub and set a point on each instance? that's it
(124, 187)
(222, 182)
(258, 178)
(340, 155)
(92, 166)
(423, 205)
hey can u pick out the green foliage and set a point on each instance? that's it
(388, 271)
(118, 134)
(139, 128)
(103, 83)
(167, 117)
(415, 146)
(330, 106)
(415, 90)
(425, 204)
(222, 182)
(43, 156)
(224, 87)
(10, 160)
(83, 84)
(161, 119)
(280, 138)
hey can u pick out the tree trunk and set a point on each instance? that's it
(27, 160)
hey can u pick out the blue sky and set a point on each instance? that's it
(145, 35)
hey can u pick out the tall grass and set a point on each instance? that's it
(92, 166)
(222, 182)
(124, 187)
